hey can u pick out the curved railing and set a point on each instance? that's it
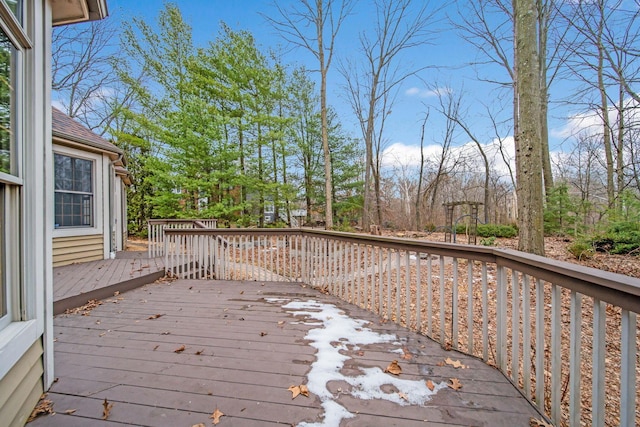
(156, 227)
(565, 335)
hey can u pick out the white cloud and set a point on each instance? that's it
(426, 93)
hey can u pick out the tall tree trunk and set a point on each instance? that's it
(620, 148)
(543, 24)
(328, 171)
(528, 146)
(421, 173)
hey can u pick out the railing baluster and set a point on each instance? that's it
(389, 253)
(379, 281)
(526, 335)
(575, 359)
(419, 292)
(598, 372)
(443, 338)
(408, 289)
(628, 369)
(501, 310)
(398, 286)
(454, 305)
(540, 347)
(556, 354)
(470, 306)
(429, 297)
(515, 325)
(485, 314)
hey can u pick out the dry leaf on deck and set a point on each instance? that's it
(295, 391)
(394, 368)
(107, 409)
(198, 425)
(199, 352)
(430, 385)
(304, 390)
(455, 363)
(262, 334)
(179, 349)
(216, 416)
(241, 292)
(534, 422)
(116, 293)
(403, 396)
(45, 406)
(455, 384)
(406, 354)
(70, 411)
(155, 316)
(281, 322)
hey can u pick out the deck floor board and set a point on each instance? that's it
(241, 354)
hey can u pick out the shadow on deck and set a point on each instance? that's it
(171, 353)
(75, 284)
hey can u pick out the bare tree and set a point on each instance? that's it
(324, 17)
(371, 87)
(420, 172)
(528, 140)
(82, 71)
(488, 26)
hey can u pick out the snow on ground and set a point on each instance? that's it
(336, 332)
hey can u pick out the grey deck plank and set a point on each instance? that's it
(245, 366)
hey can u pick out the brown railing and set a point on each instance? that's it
(156, 227)
(565, 335)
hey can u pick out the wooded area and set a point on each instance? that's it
(229, 131)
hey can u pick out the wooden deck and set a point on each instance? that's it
(75, 284)
(243, 349)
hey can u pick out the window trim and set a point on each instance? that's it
(98, 192)
(13, 28)
(92, 193)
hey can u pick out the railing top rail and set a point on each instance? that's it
(614, 288)
(178, 221)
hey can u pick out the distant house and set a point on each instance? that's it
(90, 209)
(26, 197)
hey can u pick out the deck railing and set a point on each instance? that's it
(156, 227)
(565, 335)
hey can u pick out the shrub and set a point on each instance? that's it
(497, 230)
(581, 249)
(619, 238)
(488, 241)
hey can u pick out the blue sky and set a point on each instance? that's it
(448, 52)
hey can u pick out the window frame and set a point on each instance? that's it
(92, 193)
(12, 204)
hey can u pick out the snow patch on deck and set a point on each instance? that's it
(339, 332)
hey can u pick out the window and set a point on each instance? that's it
(73, 191)
(12, 43)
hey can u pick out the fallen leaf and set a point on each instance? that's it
(216, 416)
(534, 422)
(70, 411)
(45, 406)
(281, 322)
(198, 425)
(455, 363)
(116, 293)
(165, 333)
(403, 396)
(295, 391)
(241, 292)
(455, 384)
(179, 349)
(262, 334)
(406, 354)
(304, 390)
(156, 347)
(155, 316)
(394, 368)
(107, 409)
(199, 352)
(430, 385)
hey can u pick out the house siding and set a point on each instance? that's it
(74, 249)
(22, 387)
